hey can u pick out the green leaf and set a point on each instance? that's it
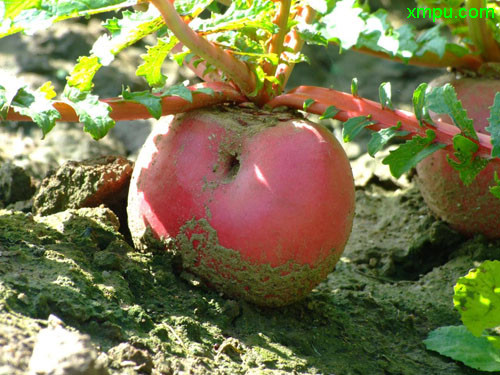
(133, 26)
(31, 16)
(382, 137)
(354, 86)
(346, 15)
(444, 100)
(384, 92)
(36, 105)
(409, 154)
(495, 190)
(180, 91)
(93, 113)
(468, 167)
(419, 107)
(150, 101)
(353, 127)
(308, 103)
(433, 41)
(205, 90)
(461, 345)
(494, 128)
(83, 73)
(191, 8)
(477, 297)
(153, 62)
(330, 112)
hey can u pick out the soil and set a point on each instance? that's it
(77, 298)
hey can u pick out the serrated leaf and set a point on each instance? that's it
(433, 41)
(330, 112)
(353, 127)
(191, 8)
(382, 137)
(444, 100)
(94, 114)
(132, 27)
(458, 343)
(153, 62)
(83, 73)
(31, 16)
(180, 91)
(308, 103)
(468, 167)
(150, 101)
(38, 107)
(385, 94)
(477, 297)
(48, 89)
(344, 16)
(494, 127)
(409, 154)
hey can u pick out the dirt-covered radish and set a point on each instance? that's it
(469, 209)
(258, 205)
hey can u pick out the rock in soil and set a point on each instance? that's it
(59, 351)
(89, 183)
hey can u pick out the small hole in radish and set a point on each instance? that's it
(233, 166)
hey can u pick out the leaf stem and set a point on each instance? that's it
(126, 110)
(429, 59)
(234, 69)
(480, 32)
(295, 43)
(351, 106)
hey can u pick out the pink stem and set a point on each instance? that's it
(127, 110)
(235, 69)
(351, 106)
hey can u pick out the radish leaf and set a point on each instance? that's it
(477, 298)
(150, 101)
(409, 154)
(353, 127)
(494, 128)
(153, 62)
(459, 343)
(384, 92)
(444, 100)
(421, 111)
(382, 137)
(308, 103)
(495, 190)
(468, 167)
(330, 112)
(93, 113)
(38, 106)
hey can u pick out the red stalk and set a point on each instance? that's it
(235, 69)
(127, 110)
(351, 106)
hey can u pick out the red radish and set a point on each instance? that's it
(258, 204)
(469, 209)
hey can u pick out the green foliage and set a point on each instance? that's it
(467, 166)
(385, 95)
(379, 139)
(459, 343)
(354, 126)
(409, 154)
(330, 112)
(477, 298)
(419, 107)
(494, 127)
(444, 100)
(92, 112)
